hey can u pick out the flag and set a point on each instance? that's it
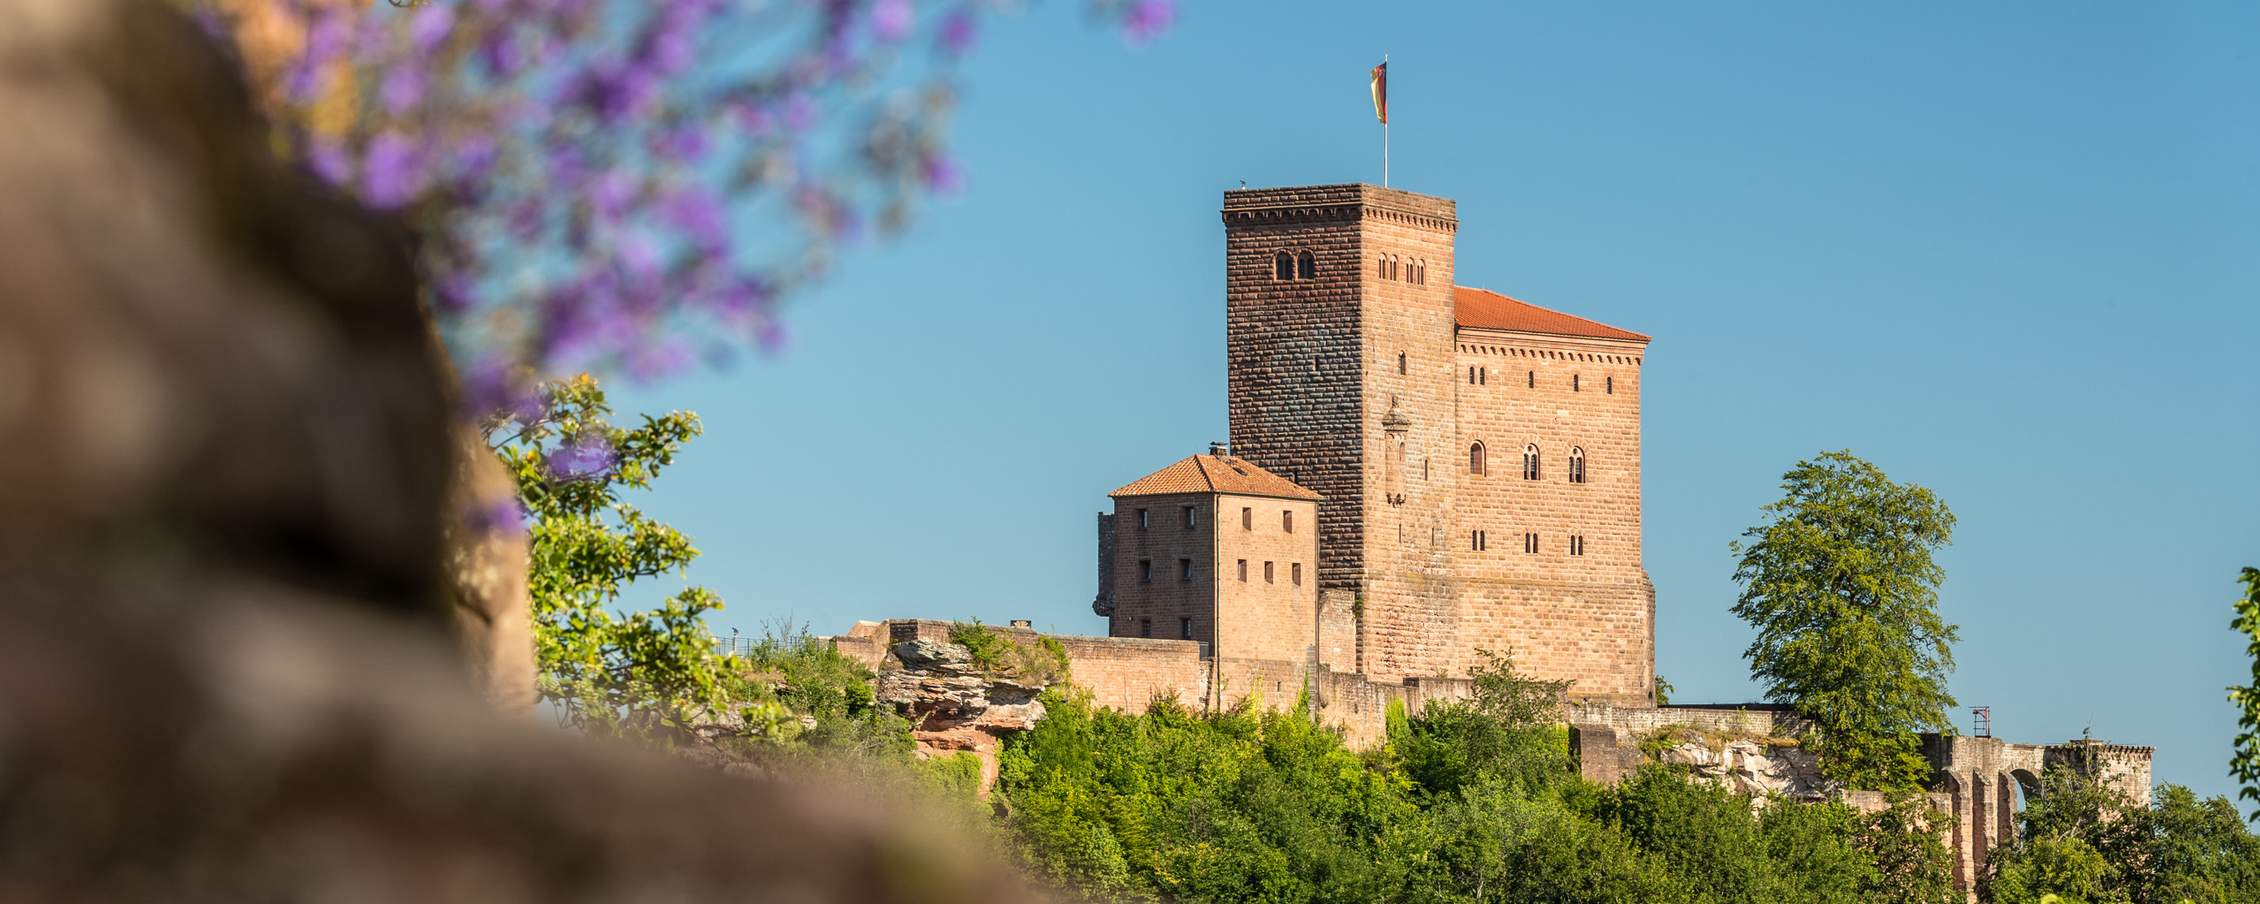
(1381, 92)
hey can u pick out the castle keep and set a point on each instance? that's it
(1475, 462)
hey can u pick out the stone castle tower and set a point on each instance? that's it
(1478, 457)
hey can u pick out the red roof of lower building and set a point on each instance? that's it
(1215, 474)
(1485, 309)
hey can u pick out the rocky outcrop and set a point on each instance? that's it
(1757, 767)
(954, 705)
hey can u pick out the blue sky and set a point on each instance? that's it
(2010, 252)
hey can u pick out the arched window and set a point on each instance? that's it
(1475, 459)
(1381, 267)
(1576, 464)
(1283, 266)
(1530, 462)
(1420, 273)
(1392, 266)
(1306, 266)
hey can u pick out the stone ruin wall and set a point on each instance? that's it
(1129, 673)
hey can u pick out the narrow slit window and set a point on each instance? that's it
(1400, 362)
(1189, 517)
(1185, 629)
(1145, 627)
(1471, 375)
(1184, 570)
(1295, 573)
(1609, 385)
(1532, 379)
(1243, 571)
(1145, 571)
(1143, 520)
(1573, 383)
(1483, 376)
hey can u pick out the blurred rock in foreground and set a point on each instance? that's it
(224, 674)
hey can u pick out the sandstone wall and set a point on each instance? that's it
(1152, 596)
(1582, 612)
(1268, 578)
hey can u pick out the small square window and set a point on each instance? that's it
(1267, 573)
(1247, 519)
(1184, 569)
(1287, 521)
(1143, 520)
(1145, 627)
(1243, 571)
(1185, 629)
(1295, 573)
(1145, 571)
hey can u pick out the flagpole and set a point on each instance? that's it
(1384, 133)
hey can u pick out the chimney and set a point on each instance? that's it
(1219, 449)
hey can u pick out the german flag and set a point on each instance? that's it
(1381, 92)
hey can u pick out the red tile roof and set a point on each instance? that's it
(1485, 309)
(1215, 474)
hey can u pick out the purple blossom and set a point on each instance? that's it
(612, 194)
(1147, 19)
(430, 27)
(684, 143)
(502, 53)
(957, 32)
(585, 456)
(329, 161)
(892, 20)
(698, 214)
(497, 516)
(402, 89)
(474, 157)
(942, 175)
(388, 172)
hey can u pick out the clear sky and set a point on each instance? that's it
(2009, 251)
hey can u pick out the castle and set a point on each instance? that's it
(1457, 471)
(1420, 472)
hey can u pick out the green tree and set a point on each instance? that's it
(2082, 840)
(2245, 762)
(1508, 729)
(603, 666)
(1840, 584)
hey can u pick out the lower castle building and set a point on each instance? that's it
(1474, 461)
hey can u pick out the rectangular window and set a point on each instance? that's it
(1247, 519)
(1188, 517)
(1573, 382)
(1576, 545)
(1287, 521)
(1185, 629)
(1243, 571)
(1533, 379)
(1143, 522)
(1477, 541)
(1471, 375)
(1145, 571)
(1610, 384)
(1184, 569)
(1145, 627)
(1483, 376)
(1530, 543)
(1400, 362)
(1295, 573)
(1267, 573)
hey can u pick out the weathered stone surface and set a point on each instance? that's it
(1751, 767)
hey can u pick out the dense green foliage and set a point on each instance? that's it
(1840, 585)
(1465, 803)
(601, 665)
(2245, 764)
(1039, 661)
(2084, 844)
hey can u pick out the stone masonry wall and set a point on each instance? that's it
(1292, 364)
(1152, 596)
(1580, 612)
(1412, 602)
(1268, 577)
